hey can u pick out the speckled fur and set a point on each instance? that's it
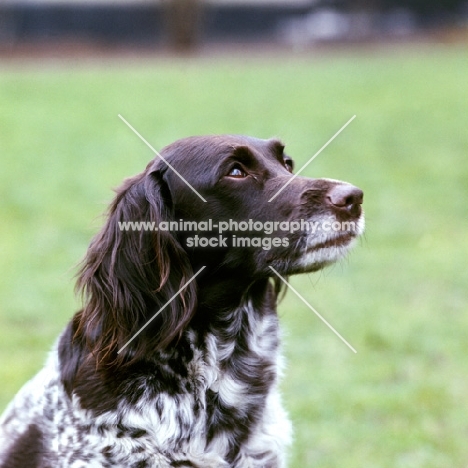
(162, 430)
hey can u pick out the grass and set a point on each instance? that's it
(400, 299)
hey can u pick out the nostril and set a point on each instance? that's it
(345, 196)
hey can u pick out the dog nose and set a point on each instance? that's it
(346, 198)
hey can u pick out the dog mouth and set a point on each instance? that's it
(324, 250)
(338, 240)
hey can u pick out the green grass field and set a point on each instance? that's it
(400, 299)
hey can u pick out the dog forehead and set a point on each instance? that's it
(203, 148)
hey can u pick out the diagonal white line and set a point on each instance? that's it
(312, 158)
(161, 309)
(313, 310)
(157, 154)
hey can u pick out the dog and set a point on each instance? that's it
(164, 369)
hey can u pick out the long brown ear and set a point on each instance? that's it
(128, 275)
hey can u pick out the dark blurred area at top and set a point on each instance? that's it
(184, 25)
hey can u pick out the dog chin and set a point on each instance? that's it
(324, 250)
(323, 253)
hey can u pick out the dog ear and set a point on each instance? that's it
(130, 271)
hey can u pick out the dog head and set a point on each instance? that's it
(251, 193)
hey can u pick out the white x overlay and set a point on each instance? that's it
(313, 310)
(202, 268)
(312, 158)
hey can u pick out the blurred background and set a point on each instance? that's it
(297, 70)
(185, 24)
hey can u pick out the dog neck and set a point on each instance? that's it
(220, 297)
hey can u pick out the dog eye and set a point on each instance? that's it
(237, 173)
(289, 164)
